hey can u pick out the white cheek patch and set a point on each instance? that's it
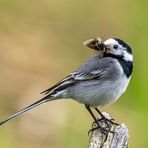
(128, 56)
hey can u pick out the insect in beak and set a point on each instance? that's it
(102, 47)
(97, 45)
(93, 43)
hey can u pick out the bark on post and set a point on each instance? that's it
(119, 139)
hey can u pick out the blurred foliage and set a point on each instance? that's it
(41, 42)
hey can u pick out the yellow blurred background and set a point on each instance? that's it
(41, 42)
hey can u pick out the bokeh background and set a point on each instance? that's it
(41, 42)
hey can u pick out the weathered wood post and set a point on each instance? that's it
(118, 139)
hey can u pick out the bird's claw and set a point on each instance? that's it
(107, 121)
(106, 127)
(104, 130)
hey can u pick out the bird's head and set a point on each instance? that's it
(111, 47)
(117, 47)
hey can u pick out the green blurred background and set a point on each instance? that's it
(41, 42)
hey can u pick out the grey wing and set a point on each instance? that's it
(102, 67)
(93, 68)
(61, 84)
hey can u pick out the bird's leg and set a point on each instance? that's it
(96, 121)
(106, 119)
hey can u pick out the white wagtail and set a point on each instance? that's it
(101, 80)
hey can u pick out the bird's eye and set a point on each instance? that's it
(115, 46)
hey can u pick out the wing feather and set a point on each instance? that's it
(73, 78)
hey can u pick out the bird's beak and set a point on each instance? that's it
(104, 48)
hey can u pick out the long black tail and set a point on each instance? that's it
(37, 103)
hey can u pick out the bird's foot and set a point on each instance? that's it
(107, 120)
(110, 121)
(104, 125)
(103, 129)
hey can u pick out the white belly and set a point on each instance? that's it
(100, 95)
(112, 92)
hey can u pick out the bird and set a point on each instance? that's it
(99, 81)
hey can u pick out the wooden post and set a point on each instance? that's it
(118, 139)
